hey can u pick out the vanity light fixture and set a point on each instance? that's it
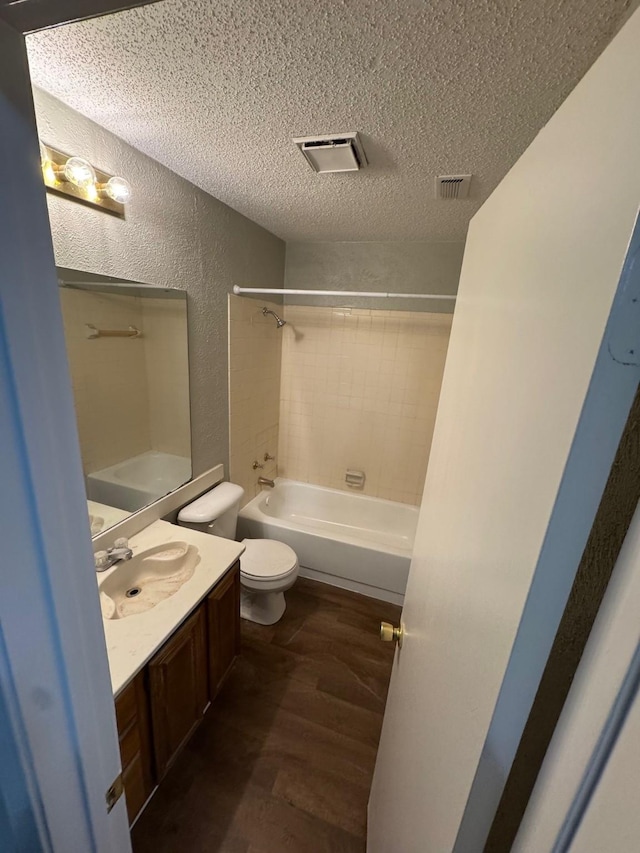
(75, 178)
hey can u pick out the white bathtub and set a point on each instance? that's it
(349, 540)
(137, 482)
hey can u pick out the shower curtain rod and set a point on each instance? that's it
(286, 291)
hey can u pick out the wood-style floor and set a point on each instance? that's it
(283, 760)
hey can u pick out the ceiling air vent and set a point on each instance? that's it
(337, 152)
(452, 186)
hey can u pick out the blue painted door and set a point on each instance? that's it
(58, 748)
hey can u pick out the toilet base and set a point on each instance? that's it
(265, 608)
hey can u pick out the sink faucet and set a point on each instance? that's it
(119, 552)
(265, 481)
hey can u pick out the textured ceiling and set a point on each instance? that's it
(216, 90)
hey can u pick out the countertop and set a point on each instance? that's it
(131, 642)
(110, 515)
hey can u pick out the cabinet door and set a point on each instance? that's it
(223, 607)
(178, 681)
(135, 750)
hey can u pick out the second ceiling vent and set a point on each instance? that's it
(452, 186)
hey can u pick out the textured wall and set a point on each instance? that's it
(360, 390)
(388, 266)
(255, 347)
(174, 235)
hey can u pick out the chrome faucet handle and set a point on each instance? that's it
(268, 457)
(101, 560)
(118, 552)
(256, 465)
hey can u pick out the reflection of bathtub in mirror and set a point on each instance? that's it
(136, 482)
(131, 391)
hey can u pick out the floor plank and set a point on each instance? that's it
(283, 761)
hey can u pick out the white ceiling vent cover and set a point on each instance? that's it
(334, 152)
(452, 186)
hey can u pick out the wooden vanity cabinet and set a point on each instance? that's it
(132, 716)
(179, 689)
(223, 616)
(160, 709)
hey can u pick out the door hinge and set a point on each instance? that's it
(624, 323)
(114, 792)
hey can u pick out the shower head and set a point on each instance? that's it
(279, 322)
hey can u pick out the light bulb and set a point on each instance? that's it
(79, 172)
(118, 189)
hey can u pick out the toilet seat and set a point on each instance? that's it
(267, 560)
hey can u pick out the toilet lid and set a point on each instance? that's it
(267, 558)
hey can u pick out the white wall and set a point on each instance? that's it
(174, 235)
(602, 668)
(612, 821)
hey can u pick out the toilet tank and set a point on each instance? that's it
(214, 512)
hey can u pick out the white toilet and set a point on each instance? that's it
(267, 567)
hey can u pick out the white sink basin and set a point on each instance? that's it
(142, 582)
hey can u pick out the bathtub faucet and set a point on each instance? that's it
(265, 481)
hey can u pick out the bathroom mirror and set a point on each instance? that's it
(128, 356)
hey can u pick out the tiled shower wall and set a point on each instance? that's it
(112, 415)
(131, 394)
(359, 389)
(255, 346)
(167, 361)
